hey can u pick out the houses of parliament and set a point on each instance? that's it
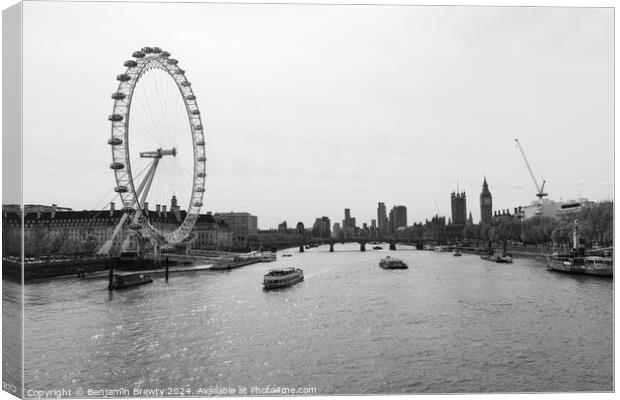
(459, 206)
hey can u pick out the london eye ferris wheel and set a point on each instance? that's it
(157, 145)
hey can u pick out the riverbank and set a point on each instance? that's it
(44, 269)
(97, 267)
(512, 252)
(235, 264)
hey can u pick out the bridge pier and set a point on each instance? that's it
(331, 247)
(392, 246)
(362, 246)
(301, 248)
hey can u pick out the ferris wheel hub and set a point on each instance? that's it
(159, 153)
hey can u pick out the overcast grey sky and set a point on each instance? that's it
(311, 109)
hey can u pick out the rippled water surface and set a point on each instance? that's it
(447, 324)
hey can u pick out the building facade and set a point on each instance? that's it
(574, 206)
(458, 200)
(321, 228)
(243, 225)
(398, 218)
(541, 208)
(348, 224)
(85, 232)
(382, 219)
(211, 234)
(337, 232)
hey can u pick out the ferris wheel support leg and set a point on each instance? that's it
(107, 246)
(145, 186)
(149, 181)
(156, 255)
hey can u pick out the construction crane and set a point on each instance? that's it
(540, 189)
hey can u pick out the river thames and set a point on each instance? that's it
(446, 325)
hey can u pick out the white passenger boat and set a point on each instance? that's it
(392, 263)
(282, 277)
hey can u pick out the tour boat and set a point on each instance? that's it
(392, 263)
(282, 277)
(287, 255)
(456, 253)
(377, 248)
(125, 280)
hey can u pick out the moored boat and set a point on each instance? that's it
(456, 252)
(268, 257)
(282, 277)
(125, 280)
(392, 263)
(504, 258)
(377, 248)
(588, 265)
(598, 263)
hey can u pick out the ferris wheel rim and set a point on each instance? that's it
(143, 61)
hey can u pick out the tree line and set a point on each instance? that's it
(595, 225)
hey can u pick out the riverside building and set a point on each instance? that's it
(382, 218)
(243, 225)
(398, 218)
(57, 232)
(459, 208)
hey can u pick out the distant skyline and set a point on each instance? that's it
(312, 109)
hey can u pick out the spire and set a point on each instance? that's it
(485, 188)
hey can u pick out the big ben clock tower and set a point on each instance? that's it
(486, 204)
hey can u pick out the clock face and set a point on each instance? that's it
(486, 201)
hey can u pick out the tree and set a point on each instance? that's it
(471, 231)
(89, 245)
(37, 241)
(58, 242)
(11, 240)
